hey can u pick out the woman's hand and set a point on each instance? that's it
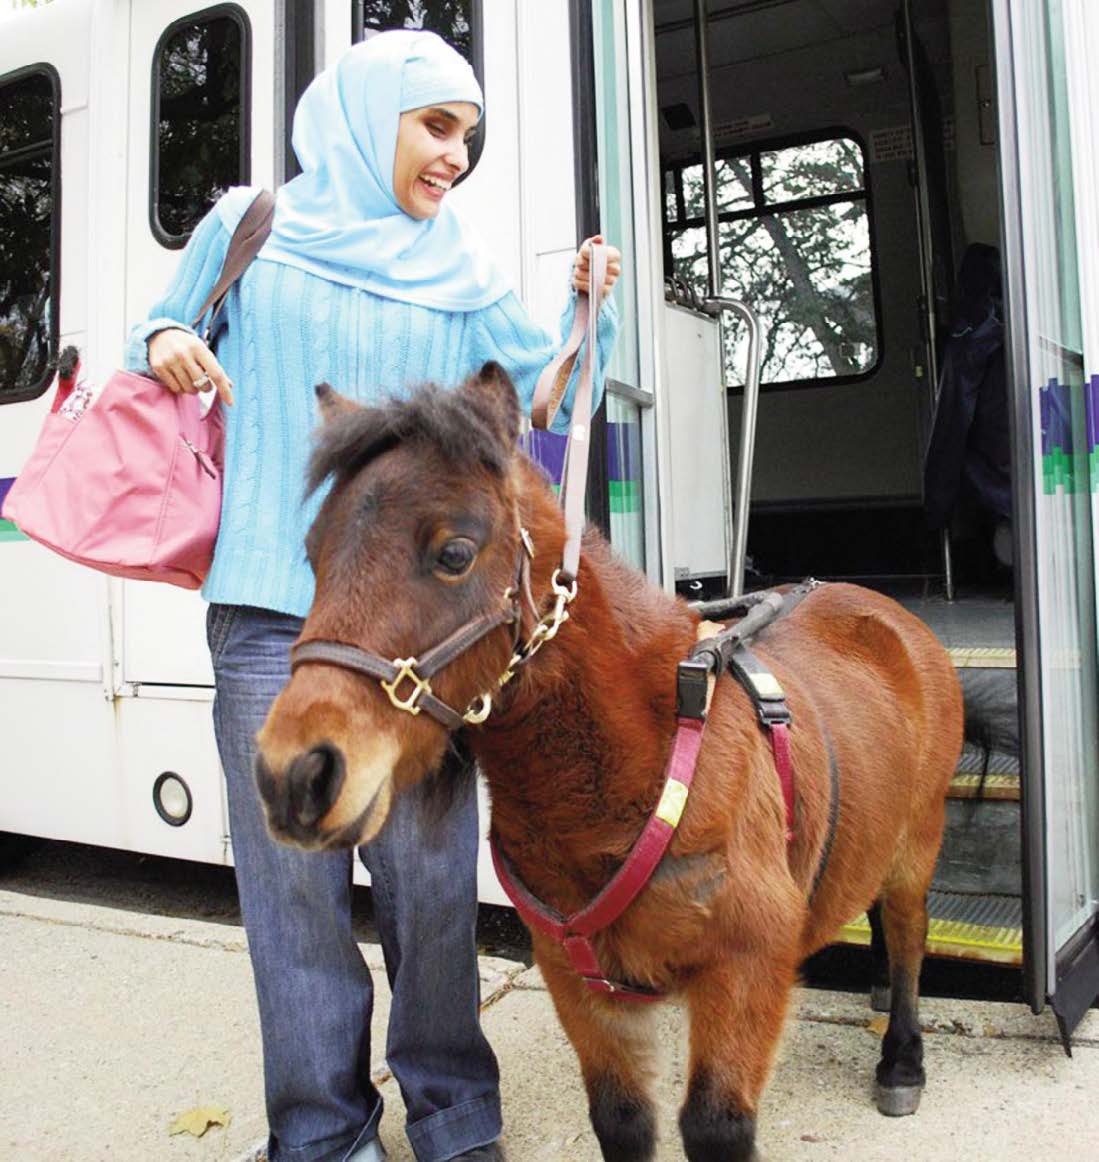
(186, 366)
(581, 265)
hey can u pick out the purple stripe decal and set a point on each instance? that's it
(1056, 417)
(5, 487)
(547, 450)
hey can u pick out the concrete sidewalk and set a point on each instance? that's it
(113, 1023)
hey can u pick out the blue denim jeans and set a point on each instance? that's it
(314, 990)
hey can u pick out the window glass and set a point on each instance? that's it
(451, 19)
(200, 120)
(734, 188)
(808, 171)
(29, 186)
(806, 267)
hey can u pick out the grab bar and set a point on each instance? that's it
(738, 543)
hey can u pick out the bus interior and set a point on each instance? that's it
(856, 188)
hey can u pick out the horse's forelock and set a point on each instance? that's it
(461, 427)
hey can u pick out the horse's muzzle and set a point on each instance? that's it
(297, 801)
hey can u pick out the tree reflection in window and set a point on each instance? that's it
(28, 189)
(795, 245)
(451, 19)
(200, 121)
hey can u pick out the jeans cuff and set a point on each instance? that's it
(453, 1131)
(337, 1149)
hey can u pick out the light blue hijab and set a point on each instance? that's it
(340, 218)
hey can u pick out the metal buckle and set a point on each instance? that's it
(476, 716)
(691, 687)
(406, 669)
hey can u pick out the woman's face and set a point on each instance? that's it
(432, 151)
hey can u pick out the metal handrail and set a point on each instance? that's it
(714, 305)
(738, 542)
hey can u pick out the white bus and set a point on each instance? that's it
(902, 192)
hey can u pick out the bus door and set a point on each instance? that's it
(1049, 105)
(201, 119)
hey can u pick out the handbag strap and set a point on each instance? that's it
(250, 235)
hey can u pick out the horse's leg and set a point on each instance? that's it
(879, 961)
(614, 1041)
(900, 1073)
(737, 1009)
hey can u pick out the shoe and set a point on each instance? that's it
(493, 1152)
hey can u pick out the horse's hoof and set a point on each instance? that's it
(881, 998)
(897, 1101)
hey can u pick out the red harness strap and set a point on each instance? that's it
(574, 932)
(784, 765)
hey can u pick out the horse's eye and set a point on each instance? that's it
(456, 556)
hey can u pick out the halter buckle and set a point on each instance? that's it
(406, 669)
(479, 709)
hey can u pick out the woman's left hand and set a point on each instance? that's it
(581, 265)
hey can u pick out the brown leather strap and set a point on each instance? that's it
(249, 236)
(548, 394)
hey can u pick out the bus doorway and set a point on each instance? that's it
(856, 192)
(904, 191)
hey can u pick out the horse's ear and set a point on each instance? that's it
(493, 384)
(332, 404)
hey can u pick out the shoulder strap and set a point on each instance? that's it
(249, 236)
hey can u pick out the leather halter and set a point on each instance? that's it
(420, 671)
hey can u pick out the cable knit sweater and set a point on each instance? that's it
(286, 330)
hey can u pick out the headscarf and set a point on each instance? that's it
(340, 218)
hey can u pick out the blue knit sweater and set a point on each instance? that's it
(287, 330)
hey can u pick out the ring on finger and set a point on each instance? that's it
(201, 382)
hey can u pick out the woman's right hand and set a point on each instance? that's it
(186, 366)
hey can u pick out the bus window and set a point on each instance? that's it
(201, 115)
(795, 234)
(453, 20)
(30, 177)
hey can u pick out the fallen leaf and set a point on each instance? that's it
(197, 1121)
(878, 1025)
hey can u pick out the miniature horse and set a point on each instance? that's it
(419, 535)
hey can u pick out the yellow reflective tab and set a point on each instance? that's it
(766, 685)
(672, 802)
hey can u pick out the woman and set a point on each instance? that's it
(371, 282)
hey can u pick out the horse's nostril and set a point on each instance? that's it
(315, 779)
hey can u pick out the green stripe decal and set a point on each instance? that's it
(624, 496)
(8, 532)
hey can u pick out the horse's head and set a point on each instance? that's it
(418, 538)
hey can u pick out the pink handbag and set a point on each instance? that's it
(130, 483)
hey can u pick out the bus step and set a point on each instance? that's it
(964, 926)
(978, 777)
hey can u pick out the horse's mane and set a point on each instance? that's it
(460, 425)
